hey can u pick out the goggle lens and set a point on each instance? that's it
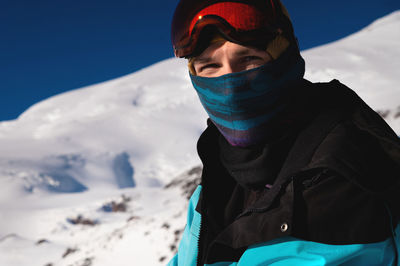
(240, 16)
(231, 18)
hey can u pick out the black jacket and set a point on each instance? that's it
(339, 182)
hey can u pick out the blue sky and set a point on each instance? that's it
(48, 47)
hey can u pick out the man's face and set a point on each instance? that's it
(224, 57)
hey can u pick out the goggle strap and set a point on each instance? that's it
(273, 7)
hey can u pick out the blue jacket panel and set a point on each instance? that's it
(188, 247)
(288, 250)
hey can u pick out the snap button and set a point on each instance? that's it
(284, 227)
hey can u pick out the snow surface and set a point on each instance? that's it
(84, 174)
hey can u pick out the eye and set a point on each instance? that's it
(208, 66)
(251, 58)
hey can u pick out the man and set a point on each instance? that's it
(294, 173)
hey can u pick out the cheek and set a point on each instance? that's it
(254, 65)
(215, 74)
(210, 73)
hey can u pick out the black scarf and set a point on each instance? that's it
(255, 167)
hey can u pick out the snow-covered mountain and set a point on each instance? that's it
(101, 175)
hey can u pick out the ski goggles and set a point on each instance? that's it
(238, 21)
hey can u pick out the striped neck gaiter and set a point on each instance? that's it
(242, 104)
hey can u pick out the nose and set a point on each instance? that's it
(231, 66)
(228, 68)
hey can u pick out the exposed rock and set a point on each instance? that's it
(41, 241)
(69, 251)
(81, 220)
(187, 182)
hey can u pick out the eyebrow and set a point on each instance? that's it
(202, 60)
(243, 52)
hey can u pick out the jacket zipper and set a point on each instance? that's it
(198, 259)
(202, 229)
(251, 211)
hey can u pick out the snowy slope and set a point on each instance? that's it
(368, 62)
(85, 176)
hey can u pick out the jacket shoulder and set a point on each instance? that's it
(362, 146)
